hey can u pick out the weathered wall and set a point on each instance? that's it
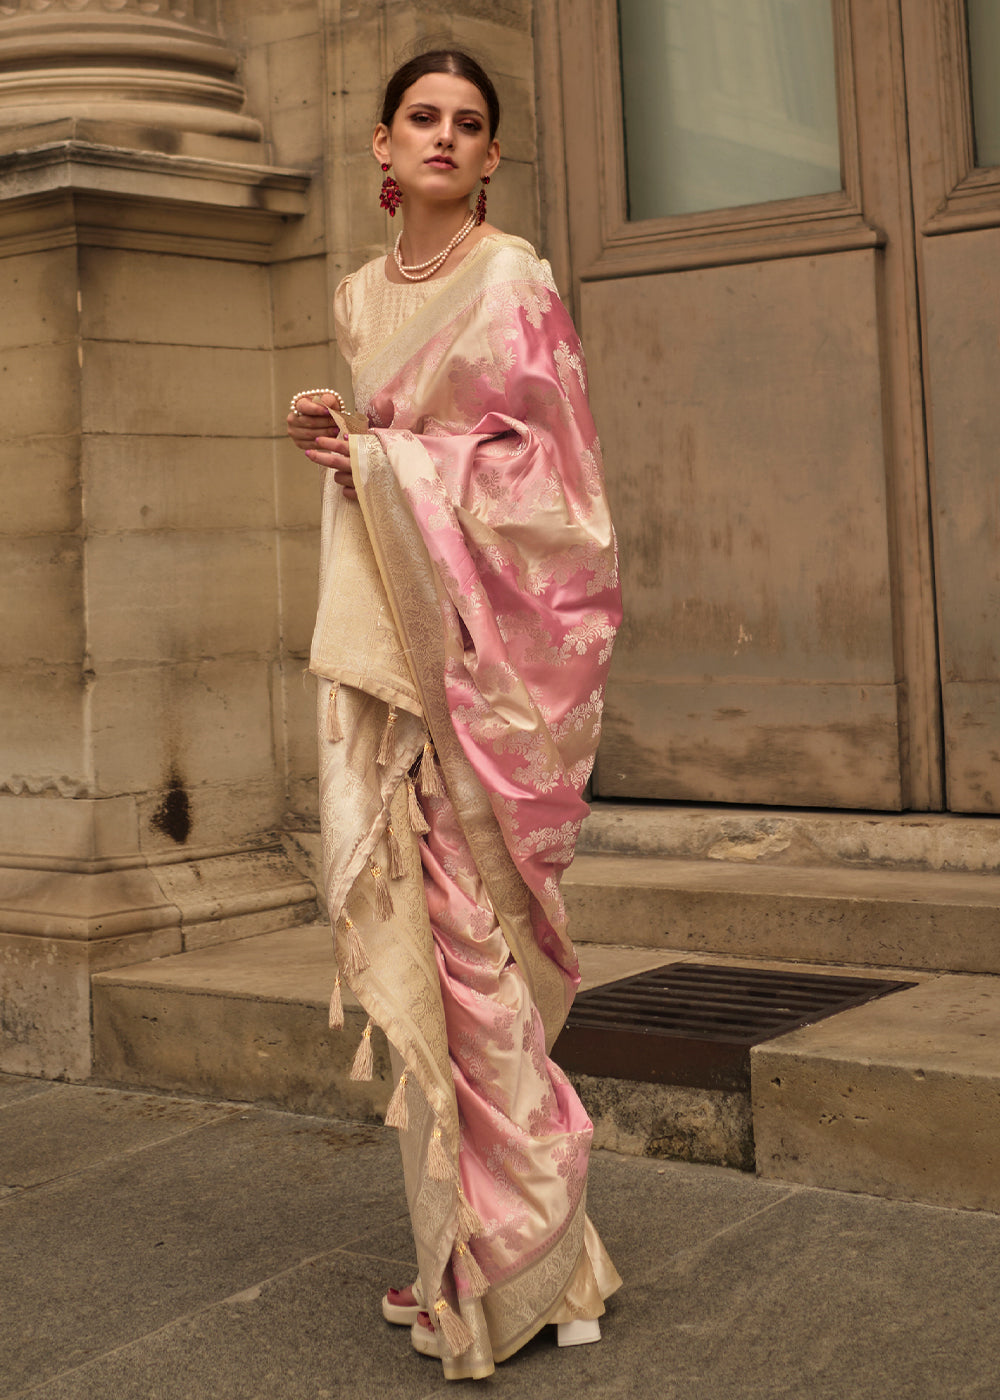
(169, 247)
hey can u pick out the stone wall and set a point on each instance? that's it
(181, 189)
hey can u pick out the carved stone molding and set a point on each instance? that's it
(73, 190)
(198, 12)
(156, 62)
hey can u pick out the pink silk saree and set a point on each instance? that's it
(468, 606)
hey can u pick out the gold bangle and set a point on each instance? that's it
(311, 394)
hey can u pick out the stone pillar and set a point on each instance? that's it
(159, 63)
(142, 777)
(167, 270)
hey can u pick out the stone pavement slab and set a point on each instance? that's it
(72, 1127)
(240, 1255)
(13, 1087)
(123, 1246)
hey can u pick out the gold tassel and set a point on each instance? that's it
(357, 958)
(363, 1059)
(438, 1166)
(468, 1273)
(387, 746)
(397, 1115)
(333, 730)
(383, 899)
(336, 1007)
(469, 1222)
(456, 1333)
(418, 822)
(396, 868)
(430, 778)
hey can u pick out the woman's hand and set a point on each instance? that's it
(309, 428)
(335, 453)
(310, 419)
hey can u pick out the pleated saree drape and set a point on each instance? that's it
(468, 605)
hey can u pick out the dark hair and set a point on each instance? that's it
(440, 61)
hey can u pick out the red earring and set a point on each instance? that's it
(391, 196)
(481, 201)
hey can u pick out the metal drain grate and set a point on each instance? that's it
(694, 1023)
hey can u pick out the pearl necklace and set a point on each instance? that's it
(419, 272)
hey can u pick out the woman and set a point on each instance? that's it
(468, 604)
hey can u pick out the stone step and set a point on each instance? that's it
(889, 918)
(900, 1097)
(248, 1021)
(244, 1021)
(769, 835)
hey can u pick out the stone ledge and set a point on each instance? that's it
(76, 191)
(933, 920)
(770, 836)
(668, 1120)
(183, 893)
(88, 166)
(250, 1021)
(898, 1098)
(120, 134)
(57, 929)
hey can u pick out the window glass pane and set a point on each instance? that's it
(984, 62)
(727, 102)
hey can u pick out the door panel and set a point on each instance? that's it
(811, 574)
(756, 377)
(963, 319)
(957, 211)
(748, 486)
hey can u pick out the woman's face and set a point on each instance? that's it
(439, 143)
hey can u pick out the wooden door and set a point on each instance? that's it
(757, 376)
(956, 190)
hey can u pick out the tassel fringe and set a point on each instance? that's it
(336, 1007)
(357, 958)
(396, 868)
(418, 822)
(387, 745)
(468, 1275)
(383, 899)
(333, 730)
(430, 778)
(456, 1333)
(397, 1115)
(363, 1059)
(438, 1166)
(469, 1222)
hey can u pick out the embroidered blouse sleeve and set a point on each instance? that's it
(342, 319)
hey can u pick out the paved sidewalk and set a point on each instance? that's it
(184, 1250)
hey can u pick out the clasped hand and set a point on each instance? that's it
(309, 429)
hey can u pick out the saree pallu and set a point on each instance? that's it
(468, 604)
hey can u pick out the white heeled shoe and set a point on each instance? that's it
(578, 1332)
(403, 1314)
(424, 1338)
